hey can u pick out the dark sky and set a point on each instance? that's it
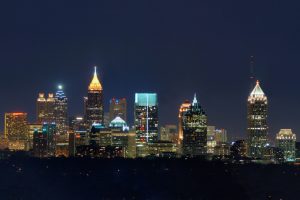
(174, 48)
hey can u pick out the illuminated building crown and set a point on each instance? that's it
(95, 85)
(257, 93)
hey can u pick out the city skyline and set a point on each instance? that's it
(213, 61)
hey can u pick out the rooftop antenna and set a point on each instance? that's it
(252, 76)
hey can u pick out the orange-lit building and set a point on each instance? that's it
(16, 130)
(182, 110)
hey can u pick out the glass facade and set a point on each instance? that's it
(257, 122)
(146, 120)
(194, 131)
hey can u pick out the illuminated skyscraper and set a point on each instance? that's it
(117, 107)
(182, 110)
(16, 130)
(61, 111)
(45, 108)
(146, 120)
(44, 141)
(94, 102)
(257, 122)
(194, 130)
(286, 141)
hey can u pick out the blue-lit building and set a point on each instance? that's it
(146, 121)
(61, 112)
(44, 141)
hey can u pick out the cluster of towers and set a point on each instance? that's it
(193, 134)
(98, 134)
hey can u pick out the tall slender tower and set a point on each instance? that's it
(194, 130)
(94, 102)
(61, 111)
(185, 106)
(145, 120)
(257, 122)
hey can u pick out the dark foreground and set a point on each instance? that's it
(27, 178)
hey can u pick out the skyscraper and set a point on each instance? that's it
(182, 110)
(146, 120)
(257, 122)
(117, 107)
(45, 108)
(16, 130)
(194, 130)
(61, 111)
(44, 141)
(286, 141)
(94, 112)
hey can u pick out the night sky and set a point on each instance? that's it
(174, 48)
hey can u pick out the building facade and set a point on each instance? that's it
(118, 107)
(257, 122)
(94, 112)
(45, 108)
(286, 141)
(61, 112)
(44, 141)
(145, 120)
(194, 131)
(16, 130)
(169, 133)
(185, 106)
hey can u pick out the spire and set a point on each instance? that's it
(95, 85)
(257, 91)
(195, 99)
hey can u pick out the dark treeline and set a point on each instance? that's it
(29, 178)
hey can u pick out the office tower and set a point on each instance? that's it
(194, 130)
(45, 108)
(146, 121)
(163, 149)
(257, 122)
(44, 141)
(117, 107)
(41, 108)
(286, 140)
(16, 130)
(185, 106)
(169, 133)
(61, 111)
(33, 127)
(220, 136)
(211, 139)
(94, 112)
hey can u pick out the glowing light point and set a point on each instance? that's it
(60, 87)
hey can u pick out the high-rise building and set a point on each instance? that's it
(16, 130)
(221, 136)
(45, 108)
(169, 133)
(32, 128)
(185, 106)
(286, 141)
(44, 141)
(257, 122)
(194, 130)
(61, 111)
(94, 112)
(118, 107)
(146, 120)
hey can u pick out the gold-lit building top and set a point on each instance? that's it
(95, 85)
